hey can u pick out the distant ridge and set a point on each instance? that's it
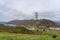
(2, 22)
(58, 22)
(42, 22)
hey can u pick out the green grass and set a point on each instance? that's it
(43, 36)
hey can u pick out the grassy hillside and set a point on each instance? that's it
(44, 36)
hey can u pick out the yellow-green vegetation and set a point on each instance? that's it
(21, 33)
(44, 36)
(17, 29)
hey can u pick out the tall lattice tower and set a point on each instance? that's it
(36, 15)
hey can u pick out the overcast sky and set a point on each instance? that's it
(25, 9)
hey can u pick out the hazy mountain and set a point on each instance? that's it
(41, 22)
(58, 22)
(2, 22)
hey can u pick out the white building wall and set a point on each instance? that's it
(54, 28)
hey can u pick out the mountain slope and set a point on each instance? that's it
(41, 22)
(46, 22)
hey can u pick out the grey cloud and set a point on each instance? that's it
(23, 9)
(47, 14)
